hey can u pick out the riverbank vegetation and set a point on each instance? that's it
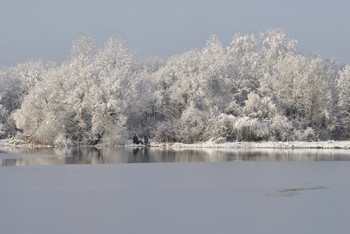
(257, 88)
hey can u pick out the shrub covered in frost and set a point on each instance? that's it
(280, 128)
(248, 129)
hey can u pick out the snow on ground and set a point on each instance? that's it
(218, 143)
(239, 197)
(267, 144)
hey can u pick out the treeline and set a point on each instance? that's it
(258, 88)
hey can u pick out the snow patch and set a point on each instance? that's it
(261, 145)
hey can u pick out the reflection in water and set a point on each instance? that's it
(90, 155)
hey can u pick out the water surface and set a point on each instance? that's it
(10, 156)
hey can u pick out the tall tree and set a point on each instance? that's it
(344, 99)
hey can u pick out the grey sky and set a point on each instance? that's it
(31, 29)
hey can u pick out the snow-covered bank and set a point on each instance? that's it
(255, 197)
(260, 145)
(218, 144)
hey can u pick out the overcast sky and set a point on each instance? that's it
(32, 29)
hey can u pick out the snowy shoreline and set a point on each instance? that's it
(218, 145)
(259, 145)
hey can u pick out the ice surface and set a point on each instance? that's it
(232, 197)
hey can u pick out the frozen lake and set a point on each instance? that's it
(259, 191)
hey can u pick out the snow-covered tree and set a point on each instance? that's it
(257, 88)
(16, 82)
(3, 120)
(319, 83)
(260, 108)
(344, 99)
(191, 125)
(81, 101)
(275, 44)
(244, 63)
(250, 129)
